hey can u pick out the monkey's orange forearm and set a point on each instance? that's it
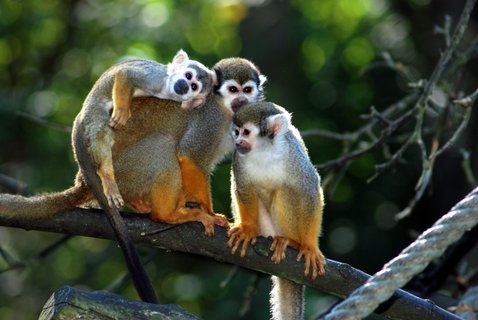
(122, 94)
(196, 186)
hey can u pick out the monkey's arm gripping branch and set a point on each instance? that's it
(195, 184)
(196, 189)
(339, 280)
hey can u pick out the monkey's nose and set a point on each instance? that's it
(181, 87)
(243, 148)
(238, 103)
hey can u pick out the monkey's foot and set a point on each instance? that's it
(314, 259)
(279, 246)
(119, 117)
(241, 234)
(141, 206)
(221, 220)
(113, 195)
(185, 214)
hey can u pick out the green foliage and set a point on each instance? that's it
(316, 56)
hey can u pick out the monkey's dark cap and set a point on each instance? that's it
(239, 69)
(256, 113)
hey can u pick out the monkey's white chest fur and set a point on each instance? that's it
(265, 166)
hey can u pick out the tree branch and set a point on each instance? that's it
(340, 279)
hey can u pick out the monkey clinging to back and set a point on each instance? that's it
(182, 80)
(276, 192)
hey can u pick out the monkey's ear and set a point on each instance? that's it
(278, 124)
(262, 79)
(181, 57)
(180, 60)
(213, 78)
(218, 79)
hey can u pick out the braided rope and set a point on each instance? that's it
(468, 307)
(412, 260)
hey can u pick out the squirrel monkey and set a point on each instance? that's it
(151, 150)
(182, 80)
(171, 165)
(163, 157)
(92, 138)
(276, 192)
(239, 82)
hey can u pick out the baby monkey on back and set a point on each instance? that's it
(108, 104)
(276, 192)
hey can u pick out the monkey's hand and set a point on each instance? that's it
(119, 117)
(241, 234)
(193, 103)
(313, 259)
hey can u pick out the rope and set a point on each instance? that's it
(412, 260)
(468, 307)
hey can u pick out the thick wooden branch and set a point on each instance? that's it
(72, 303)
(340, 279)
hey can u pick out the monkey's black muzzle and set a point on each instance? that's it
(181, 87)
(237, 103)
(242, 149)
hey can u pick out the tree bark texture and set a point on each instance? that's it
(340, 279)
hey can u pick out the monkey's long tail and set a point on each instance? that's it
(287, 299)
(139, 276)
(43, 205)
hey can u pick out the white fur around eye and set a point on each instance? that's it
(224, 89)
(252, 84)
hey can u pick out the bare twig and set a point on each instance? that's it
(14, 186)
(232, 273)
(468, 100)
(466, 165)
(388, 62)
(44, 122)
(421, 106)
(52, 247)
(429, 161)
(458, 132)
(386, 133)
(249, 295)
(381, 168)
(12, 263)
(327, 134)
(445, 30)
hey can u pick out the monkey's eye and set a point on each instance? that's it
(247, 132)
(247, 90)
(236, 132)
(233, 89)
(194, 87)
(188, 75)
